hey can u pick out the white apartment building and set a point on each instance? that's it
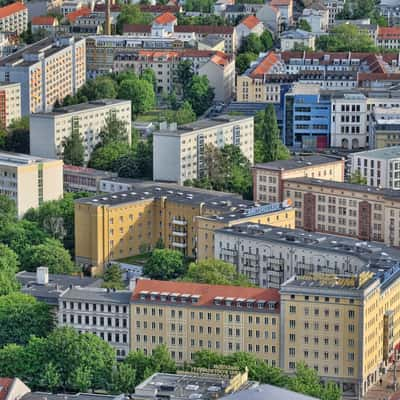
(48, 130)
(381, 167)
(269, 255)
(14, 18)
(47, 70)
(334, 7)
(317, 19)
(10, 103)
(179, 152)
(103, 312)
(29, 180)
(291, 39)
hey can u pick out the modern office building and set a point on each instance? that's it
(269, 256)
(49, 129)
(307, 118)
(103, 312)
(179, 153)
(380, 167)
(268, 177)
(189, 317)
(14, 18)
(30, 180)
(119, 225)
(10, 103)
(47, 70)
(345, 327)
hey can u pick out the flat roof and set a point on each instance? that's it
(99, 295)
(298, 162)
(386, 153)
(67, 396)
(19, 159)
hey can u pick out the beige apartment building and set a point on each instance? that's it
(10, 103)
(29, 180)
(49, 129)
(268, 178)
(14, 18)
(47, 70)
(189, 317)
(180, 153)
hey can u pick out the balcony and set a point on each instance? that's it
(179, 222)
(179, 234)
(179, 245)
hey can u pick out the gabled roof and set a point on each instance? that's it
(251, 21)
(389, 33)
(165, 18)
(159, 8)
(265, 65)
(11, 9)
(84, 11)
(44, 20)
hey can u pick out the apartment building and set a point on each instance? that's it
(286, 11)
(119, 225)
(292, 39)
(30, 180)
(189, 317)
(334, 7)
(14, 18)
(49, 129)
(103, 312)
(217, 66)
(318, 19)
(345, 327)
(47, 70)
(268, 177)
(385, 127)
(388, 37)
(269, 256)
(380, 167)
(250, 24)
(10, 103)
(180, 153)
(49, 24)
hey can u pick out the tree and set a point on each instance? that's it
(267, 40)
(21, 316)
(304, 25)
(183, 115)
(215, 272)
(73, 149)
(114, 130)
(357, 178)
(51, 378)
(252, 44)
(161, 360)
(183, 75)
(8, 268)
(123, 379)
(131, 14)
(18, 136)
(199, 94)
(50, 254)
(140, 92)
(150, 76)
(102, 87)
(243, 61)
(105, 157)
(113, 277)
(164, 264)
(8, 210)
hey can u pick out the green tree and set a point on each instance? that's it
(252, 44)
(18, 136)
(51, 378)
(140, 92)
(139, 363)
(73, 149)
(8, 210)
(21, 316)
(199, 94)
(50, 254)
(215, 272)
(105, 157)
(164, 264)
(357, 178)
(102, 87)
(243, 61)
(8, 268)
(113, 277)
(161, 361)
(183, 115)
(131, 14)
(114, 130)
(183, 75)
(150, 76)
(123, 379)
(267, 40)
(304, 25)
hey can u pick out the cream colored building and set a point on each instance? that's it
(179, 153)
(14, 18)
(189, 317)
(292, 39)
(29, 180)
(48, 130)
(268, 178)
(47, 70)
(10, 103)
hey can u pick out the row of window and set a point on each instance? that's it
(70, 305)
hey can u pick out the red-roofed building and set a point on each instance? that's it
(82, 12)
(12, 389)
(14, 18)
(190, 317)
(47, 23)
(164, 19)
(158, 9)
(250, 24)
(389, 38)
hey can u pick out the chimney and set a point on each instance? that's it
(107, 28)
(132, 284)
(42, 275)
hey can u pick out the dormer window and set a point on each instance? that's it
(195, 298)
(184, 298)
(153, 295)
(173, 296)
(271, 305)
(164, 296)
(260, 304)
(228, 301)
(250, 303)
(143, 294)
(218, 300)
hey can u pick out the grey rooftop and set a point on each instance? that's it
(298, 162)
(98, 295)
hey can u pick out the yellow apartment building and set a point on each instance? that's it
(189, 317)
(268, 177)
(346, 327)
(119, 225)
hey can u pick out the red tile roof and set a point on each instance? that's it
(43, 20)
(165, 18)
(205, 29)
(102, 8)
(11, 9)
(5, 384)
(207, 293)
(82, 12)
(265, 65)
(389, 33)
(221, 59)
(251, 21)
(160, 8)
(136, 28)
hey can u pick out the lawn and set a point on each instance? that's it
(139, 259)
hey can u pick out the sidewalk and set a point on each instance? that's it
(384, 391)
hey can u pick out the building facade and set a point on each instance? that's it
(48, 130)
(180, 153)
(292, 39)
(385, 127)
(10, 103)
(29, 180)
(14, 18)
(47, 70)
